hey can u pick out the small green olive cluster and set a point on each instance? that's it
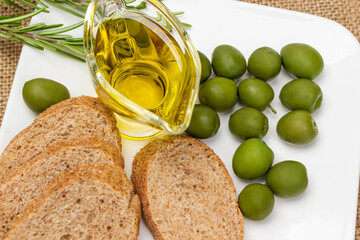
(253, 159)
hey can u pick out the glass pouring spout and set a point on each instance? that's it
(143, 65)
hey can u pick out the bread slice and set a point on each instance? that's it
(88, 202)
(29, 180)
(186, 191)
(77, 117)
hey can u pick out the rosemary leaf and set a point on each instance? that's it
(77, 5)
(32, 41)
(36, 27)
(42, 3)
(14, 24)
(6, 17)
(80, 40)
(21, 17)
(65, 9)
(69, 42)
(4, 35)
(31, 5)
(11, 3)
(58, 36)
(80, 49)
(33, 27)
(50, 26)
(19, 40)
(71, 55)
(62, 51)
(61, 30)
(7, 28)
(77, 50)
(29, 44)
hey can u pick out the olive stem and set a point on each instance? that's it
(271, 108)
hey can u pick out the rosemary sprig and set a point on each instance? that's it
(43, 36)
(75, 8)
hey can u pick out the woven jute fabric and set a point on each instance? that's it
(345, 12)
(9, 56)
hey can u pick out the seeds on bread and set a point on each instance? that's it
(186, 191)
(29, 180)
(75, 117)
(88, 202)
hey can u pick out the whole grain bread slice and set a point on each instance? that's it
(186, 191)
(76, 117)
(29, 180)
(88, 202)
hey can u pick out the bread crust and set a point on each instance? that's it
(81, 100)
(14, 156)
(28, 181)
(113, 176)
(142, 175)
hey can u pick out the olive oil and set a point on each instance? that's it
(147, 73)
(142, 61)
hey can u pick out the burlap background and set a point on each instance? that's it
(345, 12)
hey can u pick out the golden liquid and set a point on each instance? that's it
(143, 62)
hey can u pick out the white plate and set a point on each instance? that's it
(327, 210)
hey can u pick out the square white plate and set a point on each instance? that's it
(327, 210)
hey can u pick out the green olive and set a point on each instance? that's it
(255, 93)
(41, 93)
(301, 94)
(252, 159)
(248, 123)
(256, 201)
(218, 93)
(204, 122)
(287, 179)
(205, 67)
(302, 60)
(229, 62)
(297, 127)
(264, 63)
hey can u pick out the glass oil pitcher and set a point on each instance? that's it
(143, 64)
